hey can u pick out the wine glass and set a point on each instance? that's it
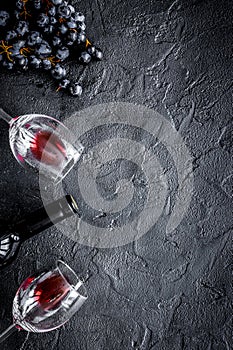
(43, 143)
(46, 301)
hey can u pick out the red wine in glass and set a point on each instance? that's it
(48, 148)
(44, 144)
(51, 291)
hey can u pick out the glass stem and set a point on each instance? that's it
(5, 116)
(78, 285)
(10, 330)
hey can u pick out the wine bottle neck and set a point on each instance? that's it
(46, 217)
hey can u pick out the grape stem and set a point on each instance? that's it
(25, 12)
(6, 50)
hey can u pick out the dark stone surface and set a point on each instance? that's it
(160, 292)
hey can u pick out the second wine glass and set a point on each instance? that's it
(47, 301)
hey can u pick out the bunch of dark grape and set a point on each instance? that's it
(42, 34)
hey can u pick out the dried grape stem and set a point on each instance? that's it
(6, 50)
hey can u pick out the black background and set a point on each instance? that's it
(162, 292)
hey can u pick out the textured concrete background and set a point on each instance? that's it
(161, 292)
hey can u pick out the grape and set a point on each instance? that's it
(8, 65)
(52, 20)
(56, 41)
(49, 29)
(35, 62)
(72, 9)
(17, 14)
(71, 25)
(4, 16)
(34, 38)
(62, 53)
(42, 20)
(81, 38)
(47, 65)
(75, 89)
(43, 49)
(19, 4)
(23, 63)
(64, 83)
(19, 44)
(63, 29)
(52, 11)
(58, 72)
(71, 38)
(17, 57)
(85, 58)
(11, 35)
(82, 27)
(64, 11)
(37, 4)
(43, 35)
(22, 28)
(91, 50)
(98, 54)
(78, 17)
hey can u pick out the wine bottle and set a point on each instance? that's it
(32, 224)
